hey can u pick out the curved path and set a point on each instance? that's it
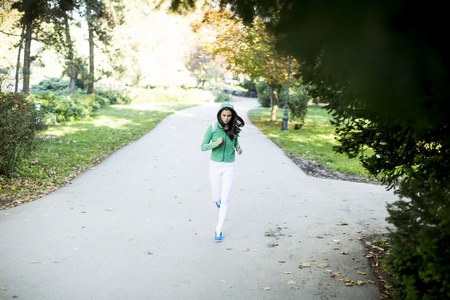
(141, 226)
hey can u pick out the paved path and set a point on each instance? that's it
(141, 226)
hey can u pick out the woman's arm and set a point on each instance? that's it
(206, 143)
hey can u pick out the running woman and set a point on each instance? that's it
(222, 138)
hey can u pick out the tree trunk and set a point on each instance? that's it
(71, 68)
(19, 53)
(274, 102)
(27, 57)
(90, 89)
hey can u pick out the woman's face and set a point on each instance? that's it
(225, 116)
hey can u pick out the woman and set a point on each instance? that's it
(222, 138)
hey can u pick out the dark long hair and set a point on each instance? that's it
(235, 124)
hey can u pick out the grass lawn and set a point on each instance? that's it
(314, 141)
(73, 147)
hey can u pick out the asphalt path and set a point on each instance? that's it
(141, 225)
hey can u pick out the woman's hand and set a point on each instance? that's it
(219, 141)
(239, 150)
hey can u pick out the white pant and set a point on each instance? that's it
(221, 177)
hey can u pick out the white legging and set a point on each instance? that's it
(221, 177)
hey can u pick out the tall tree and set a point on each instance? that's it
(101, 17)
(33, 12)
(58, 37)
(246, 50)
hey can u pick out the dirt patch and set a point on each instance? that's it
(316, 169)
(377, 247)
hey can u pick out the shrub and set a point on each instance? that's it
(53, 85)
(19, 123)
(419, 259)
(298, 106)
(249, 85)
(61, 108)
(263, 91)
(222, 97)
(114, 96)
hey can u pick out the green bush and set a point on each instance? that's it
(298, 106)
(61, 108)
(249, 85)
(263, 91)
(419, 259)
(222, 97)
(19, 123)
(114, 96)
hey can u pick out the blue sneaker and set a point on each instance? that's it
(218, 238)
(218, 204)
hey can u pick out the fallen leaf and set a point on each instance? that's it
(361, 273)
(359, 282)
(282, 261)
(323, 265)
(267, 288)
(3, 288)
(344, 253)
(304, 265)
(291, 282)
(294, 287)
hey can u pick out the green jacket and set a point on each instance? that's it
(225, 152)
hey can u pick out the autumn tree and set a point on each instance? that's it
(248, 50)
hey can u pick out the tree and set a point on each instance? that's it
(33, 13)
(58, 37)
(248, 50)
(101, 17)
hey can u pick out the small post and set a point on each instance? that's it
(38, 109)
(284, 123)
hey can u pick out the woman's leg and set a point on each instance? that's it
(215, 179)
(228, 175)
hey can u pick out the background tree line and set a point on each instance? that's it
(50, 23)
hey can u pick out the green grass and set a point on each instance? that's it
(314, 141)
(73, 147)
